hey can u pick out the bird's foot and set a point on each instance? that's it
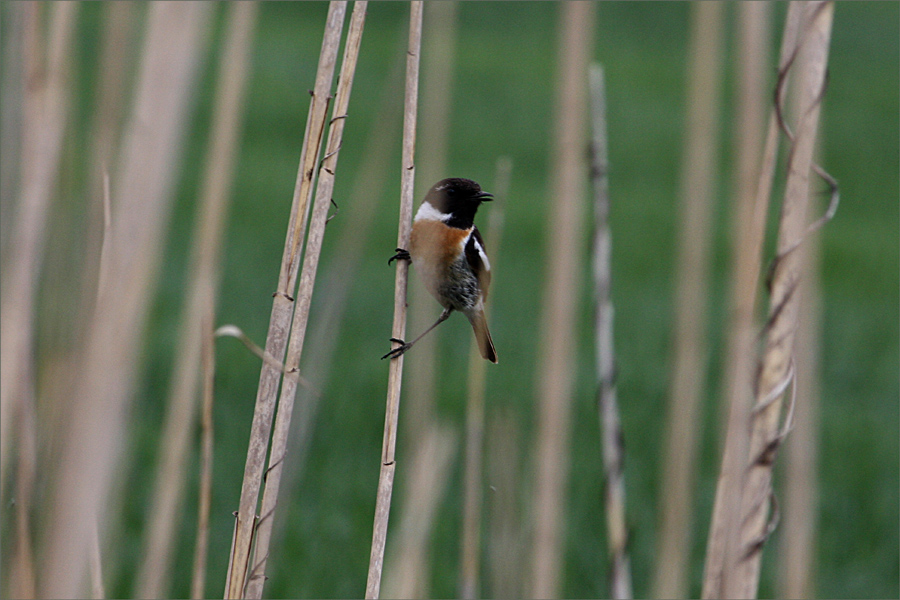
(401, 255)
(399, 350)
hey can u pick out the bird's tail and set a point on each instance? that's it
(483, 335)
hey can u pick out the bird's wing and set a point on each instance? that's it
(478, 261)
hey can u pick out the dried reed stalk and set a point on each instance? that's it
(200, 302)
(438, 58)
(95, 564)
(797, 545)
(752, 66)
(698, 184)
(314, 240)
(470, 548)
(201, 545)
(93, 436)
(560, 297)
(506, 542)
(753, 182)
(117, 53)
(283, 307)
(610, 424)
(45, 103)
(725, 547)
(778, 366)
(406, 573)
(395, 373)
(44, 107)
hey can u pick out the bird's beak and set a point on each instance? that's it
(484, 196)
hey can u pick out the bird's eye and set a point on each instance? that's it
(451, 191)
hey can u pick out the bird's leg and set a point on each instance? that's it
(406, 346)
(401, 255)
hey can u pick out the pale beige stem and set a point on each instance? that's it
(612, 440)
(560, 298)
(473, 496)
(405, 576)
(395, 373)
(778, 362)
(199, 303)
(201, 546)
(45, 103)
(754, 184)
(698, 187)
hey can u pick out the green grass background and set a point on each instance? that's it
(502, 104)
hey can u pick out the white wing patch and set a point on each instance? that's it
(482, 255)
(427, 212)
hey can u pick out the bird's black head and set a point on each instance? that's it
(458, 198)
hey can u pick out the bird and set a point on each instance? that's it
(447, 253)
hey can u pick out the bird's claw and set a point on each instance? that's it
(401, 255)
(399, 350)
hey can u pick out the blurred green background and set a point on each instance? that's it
(501, 105)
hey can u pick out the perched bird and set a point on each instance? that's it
(448, 254)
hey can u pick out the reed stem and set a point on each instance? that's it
(395, 373)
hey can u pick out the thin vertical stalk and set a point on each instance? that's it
(470, 548)
(778, 365)
(199, 303)
(315, 237)
(92, 442)
(406, 575)
(560, 297)
(45, 103)
(610, 424)
(797, 545)
(96, 565)
(395, 372)
(749, 226)
(506, 542)
(283, 307)
(201, 547)
(698, 183)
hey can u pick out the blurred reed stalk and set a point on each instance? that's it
(92, 442)
(613, 441)
(283, 308)
(778, 368)
(747, 215)
(43, 102)
(753, 182)
(395, 373)
(698, 186)
(117, 53)
(315, 236)
(204, 499)
(473, 484)
(199, 308)
(438, 58)
(506, 540)
(797, 544)
(406, 574)
(559, 338)
(44, 114)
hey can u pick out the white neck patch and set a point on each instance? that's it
(427, 212)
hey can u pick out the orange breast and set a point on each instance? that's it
(433, 247)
